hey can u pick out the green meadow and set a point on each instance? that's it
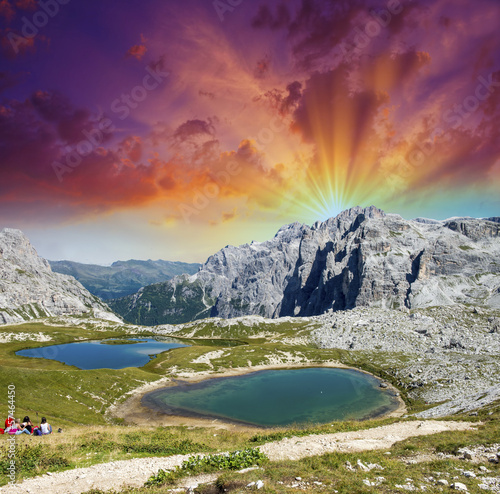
(79, 401)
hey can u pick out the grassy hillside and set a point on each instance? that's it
(79, 401)
(162, 303)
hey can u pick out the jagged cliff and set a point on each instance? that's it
(362, 257)
(29, 289)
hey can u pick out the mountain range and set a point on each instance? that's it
(362, 257)
(122, 277)
(29, 289)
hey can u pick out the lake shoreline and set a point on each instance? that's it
(133, 411)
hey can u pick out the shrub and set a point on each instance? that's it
(210, 463)
(29, 458)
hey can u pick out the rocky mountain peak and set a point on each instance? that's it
(29, 289)
(16, 248)
(361, 257)
(474, 229)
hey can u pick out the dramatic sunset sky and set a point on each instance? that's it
(168, 129)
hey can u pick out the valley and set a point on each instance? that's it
(433, 339)
(109, 403)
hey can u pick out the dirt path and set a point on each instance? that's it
(382, 437)
(133, 473)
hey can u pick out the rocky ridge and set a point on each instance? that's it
(361, 258)
(441, 354)
(30, 290)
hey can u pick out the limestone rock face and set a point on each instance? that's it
(29, 289)
(362, 257)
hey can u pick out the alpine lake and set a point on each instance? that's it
(266, 398)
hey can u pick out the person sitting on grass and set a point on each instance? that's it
(45, 427)
(9, 423)
(27, 424)
(18, 429)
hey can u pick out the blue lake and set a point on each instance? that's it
(107, 354)
(279, 397)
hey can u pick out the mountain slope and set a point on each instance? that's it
(362, 257)
(29, 289)
(122, 277)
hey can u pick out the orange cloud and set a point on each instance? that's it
(229, 216)
(139, 50)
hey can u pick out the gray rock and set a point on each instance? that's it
(361, 258)
(443, 371)
(361, 466)
(459, 486)
(467, 454)
(494, 324)
(30, 290)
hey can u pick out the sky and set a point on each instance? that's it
(166, 130)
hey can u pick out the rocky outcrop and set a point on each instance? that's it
(439, 354)
(361, 258)
(30, 290)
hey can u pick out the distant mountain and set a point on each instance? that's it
(30, 290)
(362, 257)
(122, 277)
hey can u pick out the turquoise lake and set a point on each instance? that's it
(103, 354)
(279, 397)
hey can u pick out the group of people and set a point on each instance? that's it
(16, 427)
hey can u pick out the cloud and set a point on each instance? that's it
(207, 94)
(138, 51)
(194, 140)
(70, 122)
(116, 177)
(26, 4)
(282, 102)
(314, 28)
(9, 80)
(193, 128)
(6, 10)
(280, 122)
(266, 19)
(13, 43)
(262, 67)
(28, 145)
(132, 147)
(34, 137)
(228, 216)
(327, 99)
